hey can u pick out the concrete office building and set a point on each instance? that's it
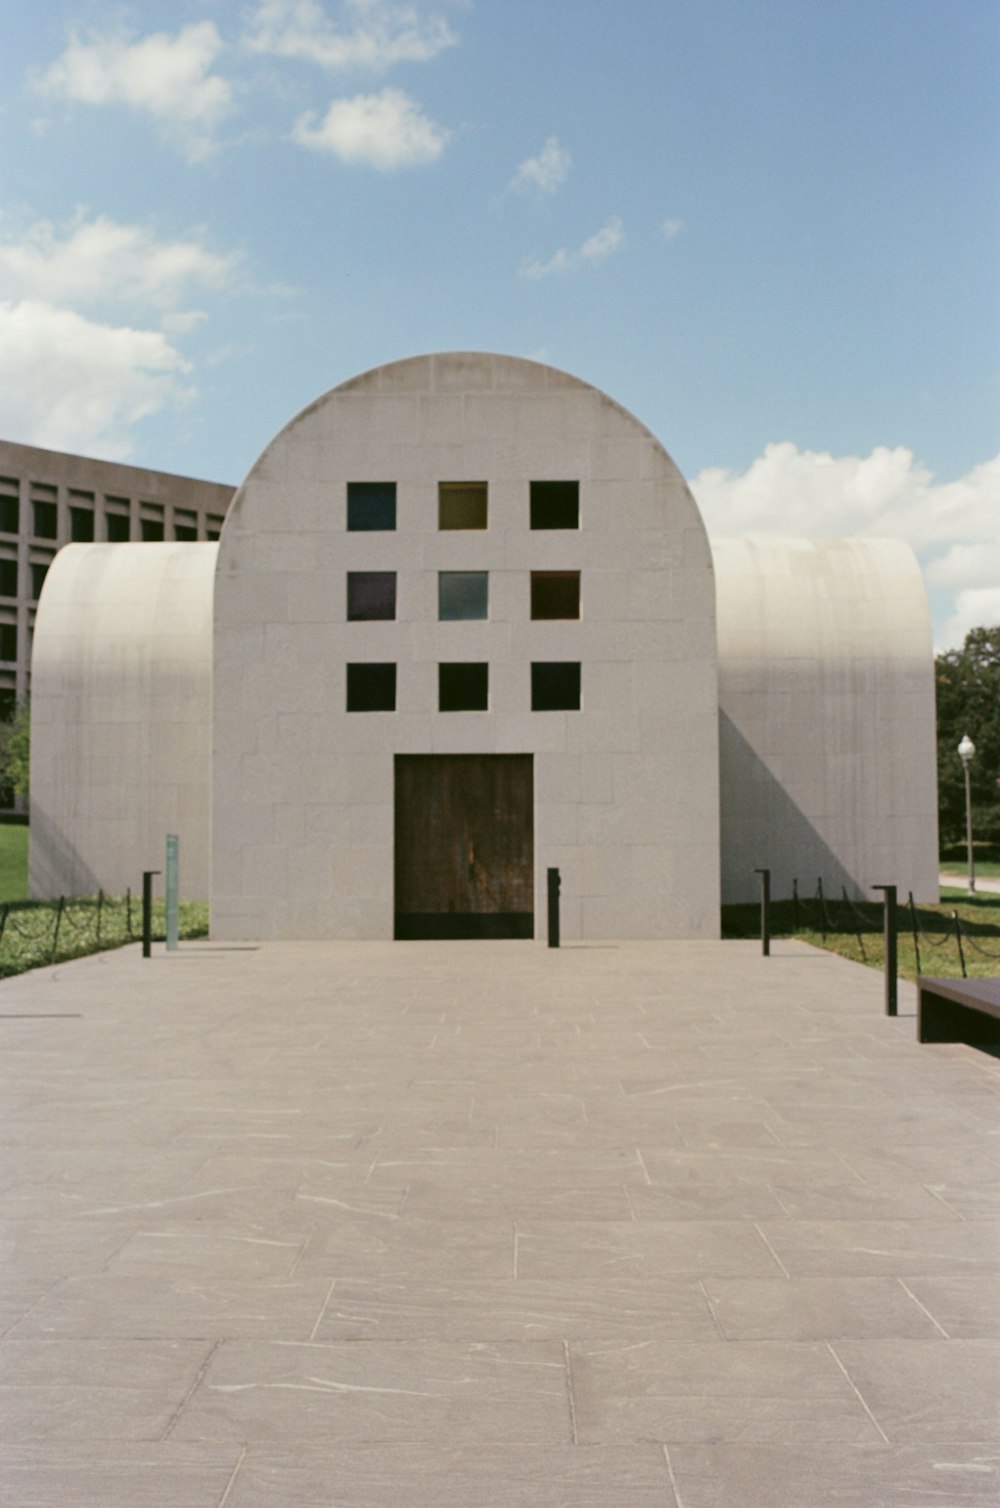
(49, 499)
(465, 629)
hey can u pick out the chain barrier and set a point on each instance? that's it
(45, 929)
(854, 917)
(963, 929)
(857, 931)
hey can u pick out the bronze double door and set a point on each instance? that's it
(464, 855)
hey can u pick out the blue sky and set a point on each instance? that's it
(770, 228)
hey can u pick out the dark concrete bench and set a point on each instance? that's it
(958, 1010)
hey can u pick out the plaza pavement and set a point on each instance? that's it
(484, 1225)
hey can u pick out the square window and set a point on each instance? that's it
(370, 595)
(39, 571)
(152, 529)
(8, 578)
(81, 525)
(555, 594)
(462, 505)
(463, 687)
(185, 532)
(371, 688)
(371, 506)
(10, 514)
(555, 505)
(118, 528)
(555, 686)
(8, 641)
(463, 594)
(44, 520)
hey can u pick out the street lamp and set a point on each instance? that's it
(966, 750)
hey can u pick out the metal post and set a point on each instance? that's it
(765, 911)
(891, 967)
(147, 911)
(172, 881)
(968, 827)
(55, 935)
(554, 886)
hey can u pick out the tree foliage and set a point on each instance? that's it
(15, 751)
(968, 701)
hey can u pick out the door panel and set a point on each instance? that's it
(464, 845)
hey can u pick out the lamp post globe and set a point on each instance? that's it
(966, 751)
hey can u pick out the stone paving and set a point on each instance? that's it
(486, 1224)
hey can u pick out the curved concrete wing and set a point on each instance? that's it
(826, 712)
(121, 717)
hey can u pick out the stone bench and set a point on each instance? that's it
(958, 1010)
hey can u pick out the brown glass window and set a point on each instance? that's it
(555, 594)
(462, 505)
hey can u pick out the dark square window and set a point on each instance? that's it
(39, 571)
(462, 505)
(44, 520)
(8, 578)
(8, 704)
(371, 595)
(211, 534)
(555, 594)
(185, 531)
(463, 594)
(8, 641)
(81, 525)
(555, 686)
(555, 505)
(10, 515)
(371, 506)
(152, 529)
(463, 687)
(213, 525)
(371, 688)
(118, 528)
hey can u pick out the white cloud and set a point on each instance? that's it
(545, 173)
(377, 34)
(952, 526)
(98, 260)
(978, 607)
(384, 131)
(672, 229)
(69, 383)
(167, 76)
(595, 250)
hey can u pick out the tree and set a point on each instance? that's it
(15, 751)
(968, 701)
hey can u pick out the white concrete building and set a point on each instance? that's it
(464, 631)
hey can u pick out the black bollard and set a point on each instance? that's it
(147, 911)
(554, 885)
(765, 911)
(889, 926)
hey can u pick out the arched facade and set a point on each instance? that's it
(464, 632)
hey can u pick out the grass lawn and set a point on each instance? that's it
(955, 859)
(13, 862)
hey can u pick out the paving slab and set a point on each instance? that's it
(643, 1224)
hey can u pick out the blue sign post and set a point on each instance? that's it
(173, 904)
